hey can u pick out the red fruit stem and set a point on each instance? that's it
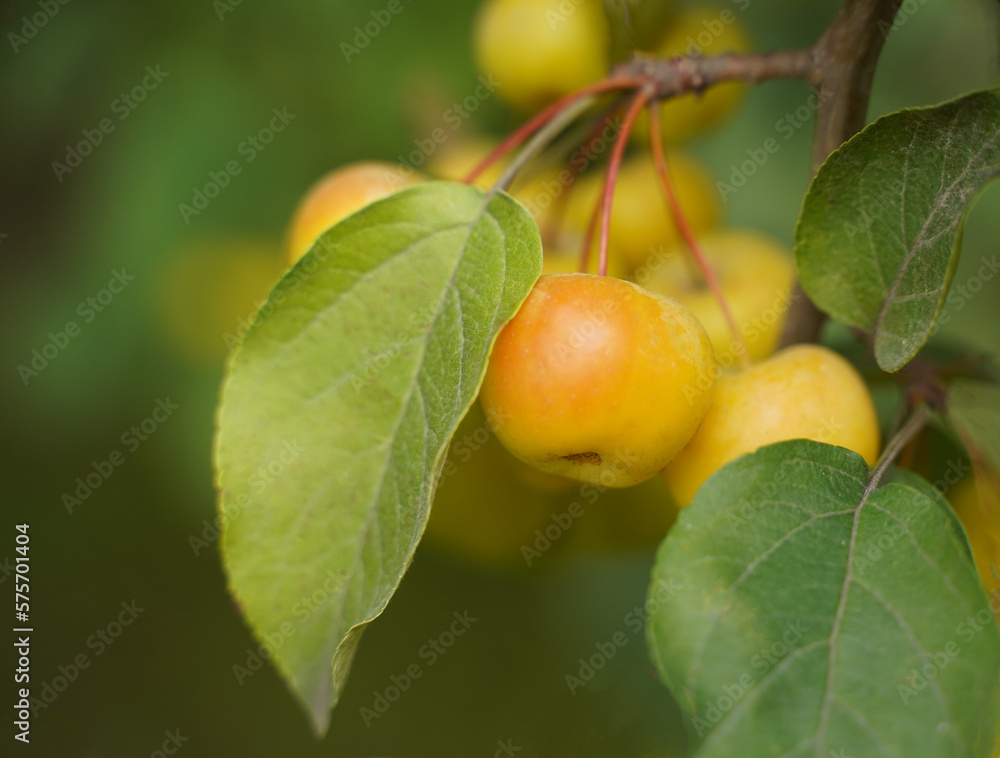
(638, 103)
(588, 238)
(540, 119)
(554, 219)
(656, 142)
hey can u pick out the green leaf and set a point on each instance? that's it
(974, 408)
(794, 611)
(338, 408)
(878, 237)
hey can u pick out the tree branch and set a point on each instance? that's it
(841, 66)
(675, 76)
(845, 59)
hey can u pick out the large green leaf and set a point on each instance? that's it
(879, 234)
(338, 409)
(812, 615)
(974, 408)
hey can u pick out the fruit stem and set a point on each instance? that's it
(540, 119)
(540, 140)
(656, 143)
(588, 237)
(638, 103)
(554, 220)
(907, 432)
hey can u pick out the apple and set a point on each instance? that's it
(642, 227)
(589, 379)
(755, 273)
(540, 50)
(340, 193)
(800, 392)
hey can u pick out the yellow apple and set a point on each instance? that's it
(977, 505)
(540, 50)
(340, 193)
(588, 379)
(642, 227)
(755, 273)
(801, 392)
(700, 32)
(456, 158)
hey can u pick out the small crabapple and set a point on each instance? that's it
(755, 275)
(641, 223)
(541, 50)
(801, 392)
(340, 193)
(589, 377)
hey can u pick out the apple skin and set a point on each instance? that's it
(340, 193)
(592, 379)
(755, 273)
(540, 50)
(977, 505)
(801, 392)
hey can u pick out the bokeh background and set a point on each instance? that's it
(163, 338)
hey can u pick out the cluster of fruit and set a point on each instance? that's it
(603, 381)
(541, 50)
(610, 380)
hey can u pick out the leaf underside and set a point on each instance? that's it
(338, 408)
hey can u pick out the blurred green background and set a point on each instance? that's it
(162, 337)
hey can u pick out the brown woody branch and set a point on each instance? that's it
(841, 66)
